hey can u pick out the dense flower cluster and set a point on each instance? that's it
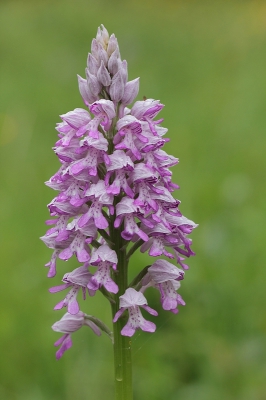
(114, 182)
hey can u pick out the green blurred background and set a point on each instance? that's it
(206, 61)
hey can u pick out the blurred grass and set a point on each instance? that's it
(206, 62)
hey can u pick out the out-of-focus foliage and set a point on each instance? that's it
(206, 62)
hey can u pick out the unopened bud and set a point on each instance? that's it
(103, 75)
(102, 36)
(85, 92)
(102, 55)
(93, 64)
(113, 63)
(94, 48)
(117, 87)
(123, 69)
(93, 83)
(112, 45)
(130, 92)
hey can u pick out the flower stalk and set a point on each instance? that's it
(122, 344)
(115, 197)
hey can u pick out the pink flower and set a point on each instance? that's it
(75, 280)
(104, 258)
(166, 278)
(68, 324)
(133, 300)
(114, 187)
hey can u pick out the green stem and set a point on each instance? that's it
(122, 363)
(122, 344)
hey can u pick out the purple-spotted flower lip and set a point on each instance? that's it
(104, 258)
(79, 247)
(102, 278)
(170, 299)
